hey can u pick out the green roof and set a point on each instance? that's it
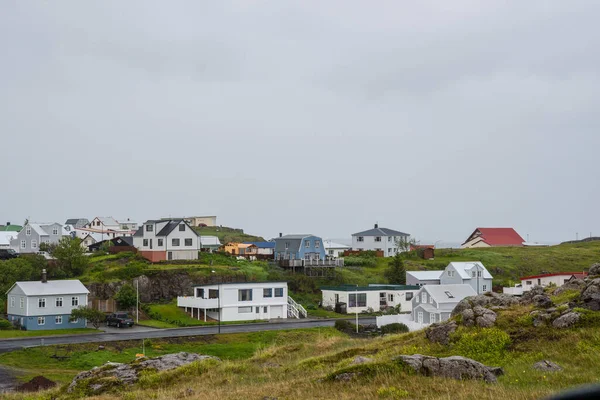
(354, 288)
(11, 228)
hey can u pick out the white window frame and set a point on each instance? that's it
(424, 298)
(21, 302)
(56, 302)
(317, 244)
(485, 288)
(360, 239)
(175, 240)
(28, 231)
(58, 319)
(420, 317)
(23, 244)
(185, 242)
(75, 301)
(41, 320)
(42, 302)
(12, 301)
(76, 320)
(34, 244)
(245, 310)
(432, 318)
(307, 244)
(55, 231)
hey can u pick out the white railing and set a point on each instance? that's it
(196, 302)
(296, 310)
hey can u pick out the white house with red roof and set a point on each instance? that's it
(493, 237)
(557, 279)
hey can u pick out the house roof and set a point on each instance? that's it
(441, 293)
(108, 221)
(37, 288)
(296, 236)
(328, 244)
(6, 236)
(238, 283)
(11, 228)
(370, 288)
(139, 232)
(171, 225)
(94, 235)
(210, 241)
(578, 275)
(497, 236)
(245, 245)
(40, 228)
(377, 231)
(262, 245)
(425, 275)
(464, 269)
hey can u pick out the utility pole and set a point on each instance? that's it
(137, 306)
(356, 307)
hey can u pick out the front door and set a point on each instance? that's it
(420, 317)
(432, 318)
(170, 255)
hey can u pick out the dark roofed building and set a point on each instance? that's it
(379, 239)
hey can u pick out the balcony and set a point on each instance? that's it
(196, 302)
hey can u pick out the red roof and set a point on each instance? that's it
(578, 275)
(498, 236)
(421, 246)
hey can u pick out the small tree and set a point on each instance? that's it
(404, 243)
(396, 273)
(70, 256)
(126, 297)
(95, 317)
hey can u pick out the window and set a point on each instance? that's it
(175, 242)
(268, 292)
(160, 242)
(41, 320)
(409, 296)
(21, 302)
(55, 231)
(34, 244)
(307, 244)
(149, 228)
(244, 294)
(390, 297)
(257, 310)
(336, 298)
(450, 295)
(59, 302)
(213, 294)
(423, 297)
(307, 256)
(181, 227)
(357, 300)
(450, 273)
(23, 244)
(287, 245)
(42, 303)
(430, 300)
(317, 244)
(74, 321)
(58, 319)
(378, 238)
(28, 231)
(389, 250)
(389, 238)
(479, 274)
(74, 301)
(200, 293)
(485, 288)
(528, 282)
(145, 242)
(432, 318)
(279, 292)
(12, 301)
(244, 310)
(360, 239)
(188, 242)
(265, 309)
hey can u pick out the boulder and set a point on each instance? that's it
(594, 269)
(541, 301)
(487, 300)
(478, 316)
(528, 296)
(566, 320)
(590, 295)
(455, 367)
(440, 333)
(546, 365)
(575, 284)
(346, 376)
(100, 379)
(540, 318)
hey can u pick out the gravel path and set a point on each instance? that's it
(7, 380)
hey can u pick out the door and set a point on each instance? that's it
(337, 298)
(277, 312)
(420, 317)
(432, 318)
(170, 255)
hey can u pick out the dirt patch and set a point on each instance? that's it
(36, 384)
(7, 381)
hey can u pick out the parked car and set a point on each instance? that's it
(7, 254)
(119, 319)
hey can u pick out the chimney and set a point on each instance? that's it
(376, 226)
(280, 234)
(44, 277)
(8, 223)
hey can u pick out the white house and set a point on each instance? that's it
(434, 303)
(6, 237)
(333, 249)
(108, 227)
(167, 239)
(557, 279)
(379, 239)
(28, 240)
(241, 302)
(42, 305)
(421, 278)
(365, 298)
(472, 273)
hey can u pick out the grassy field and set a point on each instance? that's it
(303, 363)
(18, 334)
(227, 235)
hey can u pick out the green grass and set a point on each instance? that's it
(227, 235)
(19, 334)
(153, 323)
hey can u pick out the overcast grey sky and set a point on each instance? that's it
(431, 117)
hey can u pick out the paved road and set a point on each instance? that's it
(15, 344)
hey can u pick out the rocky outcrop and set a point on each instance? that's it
(590, 294)
(594, 270)
(542, 301)
(541, 318)
(496, 300)
(440, 333)
(101, 379)
(547, 366)
(478, 316)
(455, 367)
(575, 284)
(567, 320)
(528, 296)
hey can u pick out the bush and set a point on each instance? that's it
(343, 325)
(353, 261)
(396, 327)
(5, 325)
(487, 345)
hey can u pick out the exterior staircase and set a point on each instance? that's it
(295, 310)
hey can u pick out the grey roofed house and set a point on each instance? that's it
(294, 242)
(377, 231)
(434, 303)
(464, 267)
(423, 277)
(77, 222)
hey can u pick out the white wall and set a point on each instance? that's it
(369, 243)
(373, 296)
(558, 280)
(31, 307)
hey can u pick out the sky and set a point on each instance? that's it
(428, 117)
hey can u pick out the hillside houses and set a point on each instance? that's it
(493, 237)
(379, 239)
(160, 240)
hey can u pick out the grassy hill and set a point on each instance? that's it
(304, 363)
(227, 235)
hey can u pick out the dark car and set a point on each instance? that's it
(119, 319)
(7, 254)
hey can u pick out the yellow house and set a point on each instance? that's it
(232, 248)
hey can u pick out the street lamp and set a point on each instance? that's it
(219, 302)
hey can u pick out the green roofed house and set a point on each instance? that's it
(368, 298)
(10, 227)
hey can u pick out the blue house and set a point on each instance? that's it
(45, 305)
(299, 247)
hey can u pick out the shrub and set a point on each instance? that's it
(5, 325)
(487, 345)
(396, 327)
(352, 261)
